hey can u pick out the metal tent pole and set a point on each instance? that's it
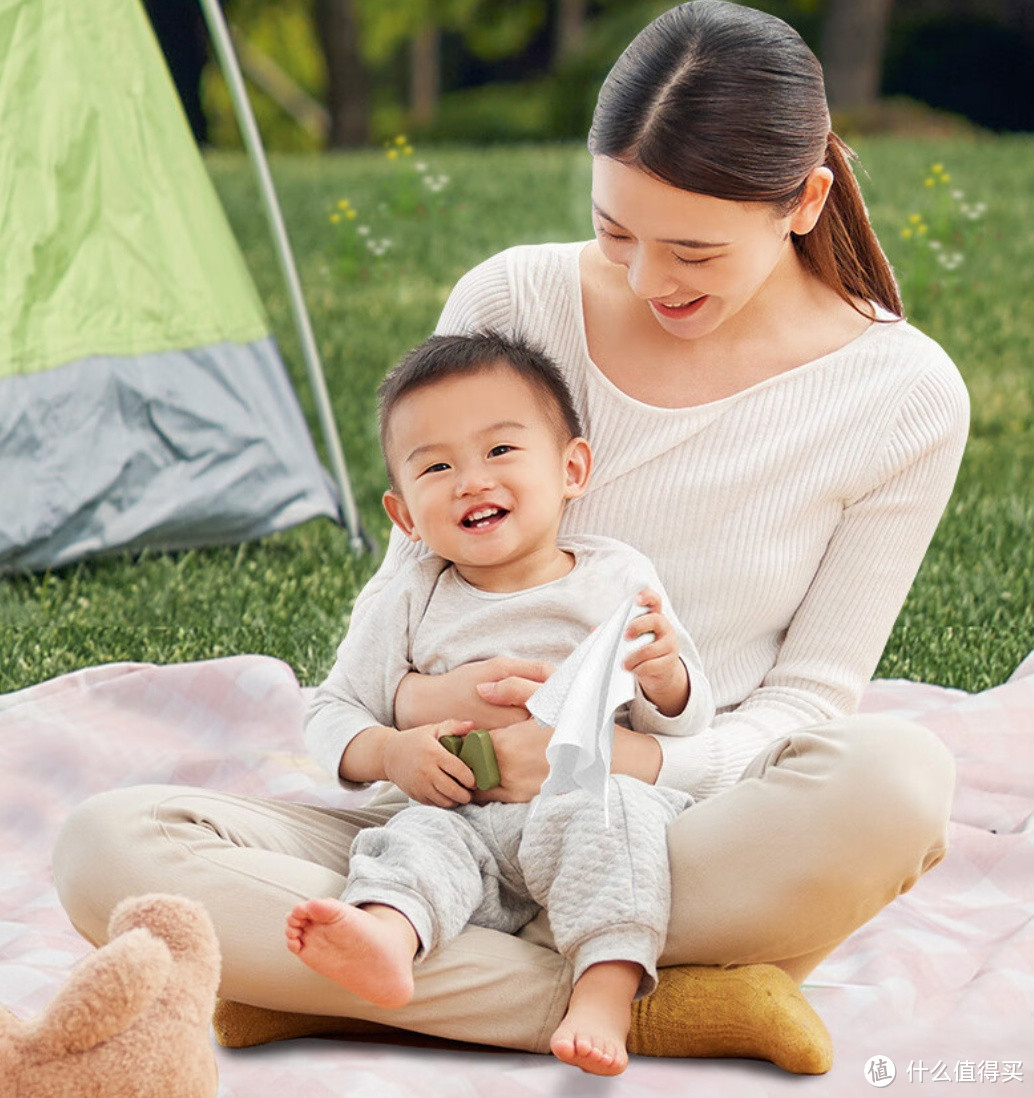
(253, 143)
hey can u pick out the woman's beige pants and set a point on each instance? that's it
(818, 835)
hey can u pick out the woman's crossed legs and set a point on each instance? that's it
(820, 833)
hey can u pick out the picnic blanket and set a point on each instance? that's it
(939, 988)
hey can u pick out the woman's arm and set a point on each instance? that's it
(836, 637)
(491, 693)
(637, 755)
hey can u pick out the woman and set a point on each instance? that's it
(781, 445)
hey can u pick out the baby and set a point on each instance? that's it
(484, 449)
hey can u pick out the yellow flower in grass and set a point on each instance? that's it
(916, 226)
(393, 154)
(335, 218)
(937, 175)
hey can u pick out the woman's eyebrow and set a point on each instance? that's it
(701, 244)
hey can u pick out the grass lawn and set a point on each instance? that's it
(970, 616)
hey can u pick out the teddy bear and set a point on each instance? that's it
(133, 1019)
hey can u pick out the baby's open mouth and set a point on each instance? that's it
(482, 517)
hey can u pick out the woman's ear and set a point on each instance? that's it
(577, 468)
(399, 514)
(813, 199)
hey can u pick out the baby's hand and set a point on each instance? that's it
(656, 665)
(418, 764)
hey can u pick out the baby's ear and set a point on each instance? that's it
(399, 514)
(577, 467)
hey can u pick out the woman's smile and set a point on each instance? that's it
(679, 310)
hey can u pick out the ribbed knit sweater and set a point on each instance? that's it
(787, 521)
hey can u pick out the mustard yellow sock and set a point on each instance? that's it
(756, 1011)
(238, 1025)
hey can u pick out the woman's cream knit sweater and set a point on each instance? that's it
(787, 521)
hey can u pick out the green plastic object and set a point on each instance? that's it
(476, 750)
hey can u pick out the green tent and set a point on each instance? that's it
(143, 401)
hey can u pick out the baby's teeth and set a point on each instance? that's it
(477, 516)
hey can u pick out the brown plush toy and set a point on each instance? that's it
(133, 1019)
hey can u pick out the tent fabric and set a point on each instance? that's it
(114, 240)
(142, 399)
(172, 450)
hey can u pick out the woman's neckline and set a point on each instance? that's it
(595, 371)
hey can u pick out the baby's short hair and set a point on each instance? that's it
(445, 356)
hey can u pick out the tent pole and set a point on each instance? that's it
(253, 143)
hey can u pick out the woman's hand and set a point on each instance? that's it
(491, 693)
(520, 750)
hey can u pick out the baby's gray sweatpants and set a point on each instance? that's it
(607, 890)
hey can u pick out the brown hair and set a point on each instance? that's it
(729, 102)
(441, 357)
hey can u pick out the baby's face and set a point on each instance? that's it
(482, 472)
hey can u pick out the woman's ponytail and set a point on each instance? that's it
(842, 248)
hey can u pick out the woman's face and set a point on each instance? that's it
(696, 261)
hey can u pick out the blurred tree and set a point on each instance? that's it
(425, 74)
(569, 29)
(853, 37)
(491, 29)
(524, 69)
(349, 83)
(284, 67)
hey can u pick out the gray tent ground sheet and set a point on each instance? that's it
(171, 450)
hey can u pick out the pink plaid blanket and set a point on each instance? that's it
(939, 987)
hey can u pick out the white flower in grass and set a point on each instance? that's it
(950, 260)
(363, 230)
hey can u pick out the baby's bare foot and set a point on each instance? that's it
(593, 1033)
(583, 1045)
(368, 951)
